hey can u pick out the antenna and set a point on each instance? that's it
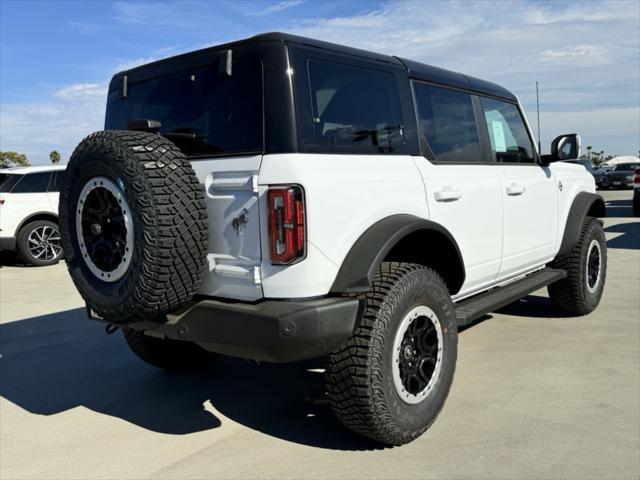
(538, 108)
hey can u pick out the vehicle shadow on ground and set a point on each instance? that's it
(629, 238)
(57, 362)
(619, 208)
(10, 259)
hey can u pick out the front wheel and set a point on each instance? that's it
(390, 380)
(586, 266)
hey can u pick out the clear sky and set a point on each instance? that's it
(56, 57)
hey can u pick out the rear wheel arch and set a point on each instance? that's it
(401, 238)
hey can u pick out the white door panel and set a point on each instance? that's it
(530, 194)
(466, 200)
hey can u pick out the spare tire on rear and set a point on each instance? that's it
(133, 223)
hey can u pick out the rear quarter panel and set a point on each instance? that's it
(344, 195)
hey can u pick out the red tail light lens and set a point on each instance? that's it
(286, 224)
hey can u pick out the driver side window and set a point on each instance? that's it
(510, 141)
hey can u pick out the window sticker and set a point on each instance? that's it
(498, 136)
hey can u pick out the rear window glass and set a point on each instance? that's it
(201, 111)
(33, 183)
(8, 181)
(448, 124)
(354, 109)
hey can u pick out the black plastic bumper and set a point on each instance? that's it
(272, 330)
(7, 243)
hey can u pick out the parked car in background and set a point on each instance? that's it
(29, 213)
(636, 193)
(621, 175)
(600, 174)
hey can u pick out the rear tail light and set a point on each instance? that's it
(286, 224)
(636, 178)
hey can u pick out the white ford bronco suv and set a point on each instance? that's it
(281, 199)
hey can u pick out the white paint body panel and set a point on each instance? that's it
(500, 236)
(18, 207)
(474, 219)
(233, 258)
(345, 195)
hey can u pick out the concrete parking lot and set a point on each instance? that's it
(535, 396)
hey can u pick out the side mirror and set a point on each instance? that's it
(565, 147)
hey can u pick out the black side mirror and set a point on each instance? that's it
(565, 147)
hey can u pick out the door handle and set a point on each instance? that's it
(515, 189)
(448, 194)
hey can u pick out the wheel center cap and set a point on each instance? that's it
(96, 228)
(408, 352)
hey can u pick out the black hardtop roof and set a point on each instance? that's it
(417, 70)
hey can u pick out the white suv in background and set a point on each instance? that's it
(29, 213)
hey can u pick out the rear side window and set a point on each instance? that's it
(202, 112)
(510, 141)
(354, 110)
(57, 181)
(33, 183)
(447, 124)
(8, 181)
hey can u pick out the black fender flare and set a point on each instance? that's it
(584, 204)
(367, 253)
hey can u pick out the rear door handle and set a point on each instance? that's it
(448, 194)
(515, 189)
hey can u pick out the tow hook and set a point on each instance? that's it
(110, 329)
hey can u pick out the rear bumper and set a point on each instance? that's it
(7, 243)
(272, 330)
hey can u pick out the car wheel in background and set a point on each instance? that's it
(39, 244)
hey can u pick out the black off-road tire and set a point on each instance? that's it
(167, 354)
(359, 377)
(169, 216)
(572, 295)
(636, 202)
(22, 243)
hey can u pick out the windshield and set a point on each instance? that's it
(202, 112)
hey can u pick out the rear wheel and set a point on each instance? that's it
(38, 243)
(586, 266)
(390, 380)
(636, 202)
(166, 354)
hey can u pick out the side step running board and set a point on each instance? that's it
(473, 308)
